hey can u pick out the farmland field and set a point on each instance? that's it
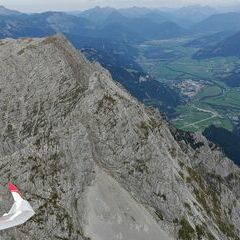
(214, 102)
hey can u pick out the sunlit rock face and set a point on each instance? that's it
(95, 164)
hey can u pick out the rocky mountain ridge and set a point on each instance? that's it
(95, 163)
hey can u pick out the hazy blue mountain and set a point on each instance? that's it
(158, 16)
(140, 29)
(170, 29)
(134, 12)
(123, 50)
(116, 17)
(118, 32)
(209, 39)
(229, 142)
(101, 15)
(98, 15)
(185, 17)
(148, 29)
(228, 47)
(225, 48)
(6, 12)
(66, 23)
(74, 13)
(230, 8)
(105, 16)
(114, 26)
(44, 24)
(24, 26)
(195, 13)
(219, 22)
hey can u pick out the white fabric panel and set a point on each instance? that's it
(20, 212)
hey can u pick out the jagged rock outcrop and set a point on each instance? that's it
(95, 163)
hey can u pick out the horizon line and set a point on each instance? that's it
(120, 8)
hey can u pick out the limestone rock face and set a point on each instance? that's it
(95, 163)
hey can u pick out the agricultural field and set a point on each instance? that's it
(171, 62)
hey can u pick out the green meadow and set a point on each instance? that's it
(215, 104)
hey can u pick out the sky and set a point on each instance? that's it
(74, 5)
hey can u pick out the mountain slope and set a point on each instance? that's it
(69, 134)
(195, 13)
(134, 12)
(24, 25)
(128, 29)
(43, 24)
(228, 141)
(157, 16)
(227, 47)
(6, 12)
(98, 15)
(61, 22)
(208, 40)
(219, 23)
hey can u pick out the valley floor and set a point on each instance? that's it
(208, 99)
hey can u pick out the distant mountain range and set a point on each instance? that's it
(111, 25)
(145, 25)
(98, 15)
(185, 16)
(208, 39)
(228, 47)
(134, 12)
(132, 24)
(225, 48)
(194, 13)
(219, 23)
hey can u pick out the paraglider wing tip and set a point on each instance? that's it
(12, 188)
